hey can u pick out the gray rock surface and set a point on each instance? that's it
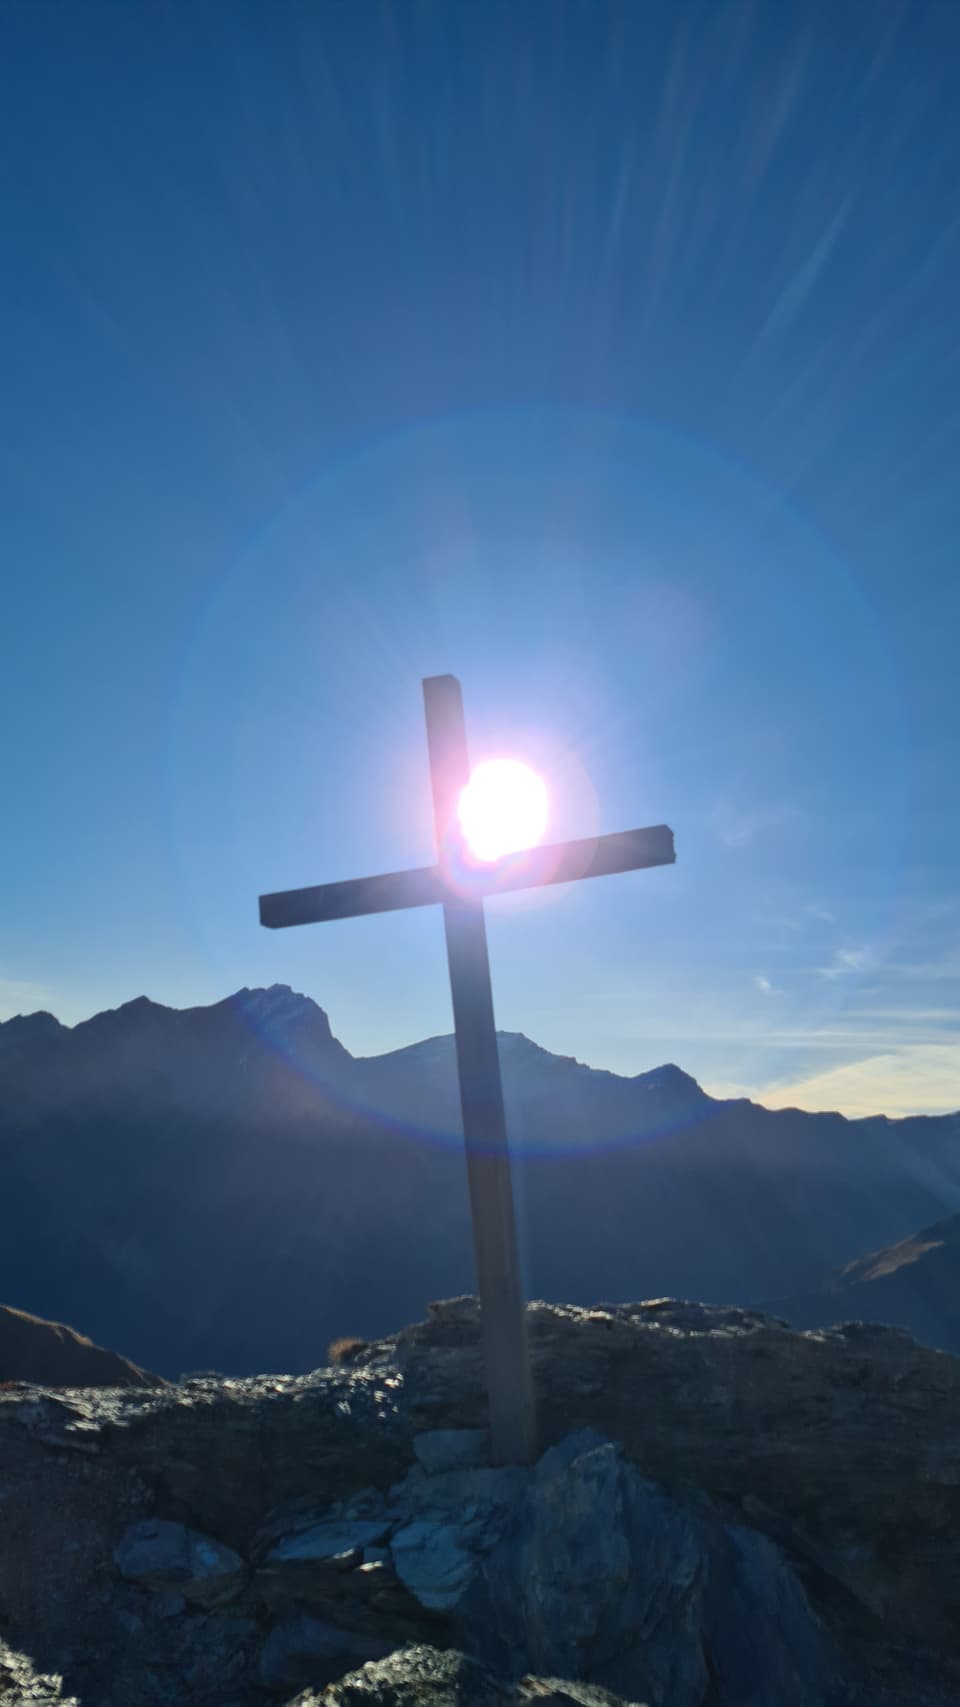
(22, 1686)
(582, 1567)
(433, 1563)
(451, 1449)
(829, 1442)
(423, 1676)
(325, 1542)
(443, 1523)
(178, 1561)
(748, 1505)
(603, 1575)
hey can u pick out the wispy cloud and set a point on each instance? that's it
(803, 281)
(764, 985)
(847, 961)
(815, 911)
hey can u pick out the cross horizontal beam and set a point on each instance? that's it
(561, 862)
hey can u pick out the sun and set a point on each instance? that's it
(503, 808)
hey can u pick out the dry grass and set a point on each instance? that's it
(345, 1350)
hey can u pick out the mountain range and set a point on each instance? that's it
(228, 1187)
(49, 1354)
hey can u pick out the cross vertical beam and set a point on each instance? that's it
(459, 883)
(503, 1324)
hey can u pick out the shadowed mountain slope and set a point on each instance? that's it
(913, 1284)
(227, 1187)
(53, 1355)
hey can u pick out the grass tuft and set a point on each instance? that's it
(346, 1350)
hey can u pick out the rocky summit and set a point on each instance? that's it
(724, 1512)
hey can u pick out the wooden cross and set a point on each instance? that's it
(459, 884)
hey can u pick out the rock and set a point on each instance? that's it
(575, 1548)
(327, 1541)
(763, 1641)
(175, 1560)
(22, 1686)
(421, 1676)
(454, 1491)
(366, 1502)
(735, 1403)
(168, 1605)
(432, 1551)
(451, 1449)
(435, 1552)
(604, 1576)
(305, 1650)
(837, 1450)
(396, 1602)
(431, 1561)
(317, 1566)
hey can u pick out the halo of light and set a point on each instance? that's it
(479, 452)
(502, 809)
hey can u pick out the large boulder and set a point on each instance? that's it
(444, 1523)
(175, 1560)
(433, 1562)
(605, 1576)
(579, 1567)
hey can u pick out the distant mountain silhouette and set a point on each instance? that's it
(227, 1187)
(53, 1355)
(913, 1284)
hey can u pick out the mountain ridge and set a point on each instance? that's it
(279, 1003)
(229, 1187)
(913, 1284)
(275, 1003)
(51, 1354)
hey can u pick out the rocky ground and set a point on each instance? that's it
(724, 1513)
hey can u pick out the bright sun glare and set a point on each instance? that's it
(503, 808)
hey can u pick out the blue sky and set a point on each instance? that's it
(605, 355)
